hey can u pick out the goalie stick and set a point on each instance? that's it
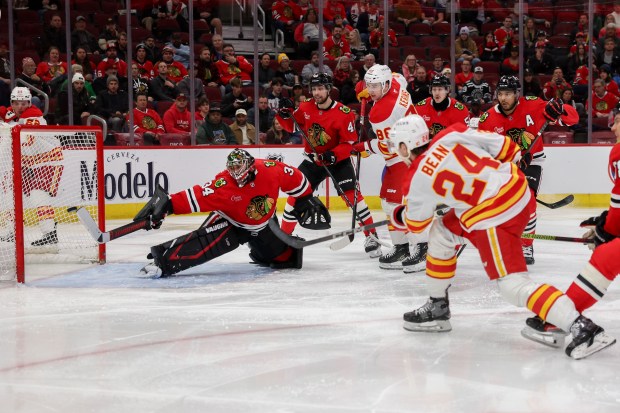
(102, 237)
(558, 238)
(298, 243)
(557, 204)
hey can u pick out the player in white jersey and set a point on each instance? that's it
(475, 174)
(391, 102)
(41, 164)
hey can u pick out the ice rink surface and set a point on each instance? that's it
(232, 337)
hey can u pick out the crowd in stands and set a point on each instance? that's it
(419, 41)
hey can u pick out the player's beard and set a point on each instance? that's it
(320, 100)
(506, 108)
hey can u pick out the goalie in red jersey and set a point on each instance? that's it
(242, 200)
(440, 111)
(520, 118)
(329, 129)
(592, 282)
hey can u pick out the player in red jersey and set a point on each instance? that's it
(440, 111)
(391, 102)
(592, 282)
(41, 165)
(243, 200)
(329, 127)
(520, 118)
(474, 173)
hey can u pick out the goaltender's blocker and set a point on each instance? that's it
(242, 200)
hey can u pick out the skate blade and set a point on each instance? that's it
(555, 340)
(150, 271)
(436, 326)
(375, 253)
(391, 265)
(408, 269)
(600, 342)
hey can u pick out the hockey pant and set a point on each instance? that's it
(344, 173)
(217, 237)
(533, 174)
(501, 255)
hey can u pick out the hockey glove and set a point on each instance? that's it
(363, 95)
(156, 209)
(328, 158)
(554, 110)
(397, 218)
(525, 161)
(362, 148)
(597, 231)
(285, 113)
(311, 213)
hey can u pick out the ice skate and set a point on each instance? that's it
(393, 259)
(588, 338)
(434, 316)
(417, 261)
(528, 254)
(372, 247)
(538, 330)
(150, 270)
(48, 238)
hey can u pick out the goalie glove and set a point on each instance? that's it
(397, 218)
(596, 230)
(156, 209)
(311, 213)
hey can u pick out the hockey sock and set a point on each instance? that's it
(289, 222)
(589, 287)
(363, 212)
(530, 228)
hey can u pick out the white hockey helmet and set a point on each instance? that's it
(21, 93)
(410, 130)
(381, 74)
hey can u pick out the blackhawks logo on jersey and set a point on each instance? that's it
(317, 135)
(436, 128)
(521, 137)
(483, 117)
(345, 109)
(173, 71)
(259, 207)
(148, 123)
(220, 183)
(269, 163)
(459, 105)
(531, 98)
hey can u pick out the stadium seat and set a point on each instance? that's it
(442, 29)
(429, 41)
(558, 138)
(162, 107)
(406, 41)
(124, 139)
(490, 27)
(419, 29)
(213, 93)
(564, 29)
(603, 138)
(419, 52)
(175, 139)
(570, 16)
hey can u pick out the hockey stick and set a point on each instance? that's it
(334, 181)
(103, 237)
(557, 204)
(300, 243)
(343, 242)
(558, 238)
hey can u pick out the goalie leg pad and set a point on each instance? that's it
(195, 248)
(267, 249)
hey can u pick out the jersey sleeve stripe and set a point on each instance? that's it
(508, 151)
(507, 197)
(615, 201)
(300, 189)
(191, 198)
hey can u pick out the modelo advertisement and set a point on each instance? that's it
(132, 174)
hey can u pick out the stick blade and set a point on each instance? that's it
(341, 243)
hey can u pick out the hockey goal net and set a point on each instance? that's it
(44, 170)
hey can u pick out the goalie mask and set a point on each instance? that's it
(240, 165)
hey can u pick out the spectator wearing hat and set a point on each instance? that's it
(177, 118)
(176, 70)
(181, 51)
(609, 30)
(231, 66)
(206, 71)
(76, 68)
(609, 55)
(112, 105)
(541, 62)
(541, 37)
(464, 76)
(580, 39)
(110, 32)
(313, 67)
(185, 85)
(80, 37)
(235, 99)
(213, 131)
(465, 47)
(286, 72)
(145, 66)
(147, 122)
(245, 133)
(531, 84)
(82, 106)
(553, 88)
(265, 72)
(504, 34)
(265, 115)
(605, 73)
(162, 87)
(477, 90)
(28, 75)
(111, 60)
(54, 34)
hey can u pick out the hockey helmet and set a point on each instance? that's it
(21, 93)
(240, 165)
(439, 81)
(410, 130)
(378, 74)
(509, 83)
(319, 79)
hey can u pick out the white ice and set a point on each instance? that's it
(231, 337)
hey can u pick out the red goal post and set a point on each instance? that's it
(44, 170)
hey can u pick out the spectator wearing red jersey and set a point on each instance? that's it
(504, 34)
(377, 37)
(177, 118)
(231, 66)
(342, 72)
(145, 66)
(53, 68)
(147, 122)
(611, 86)
(334, 9)
(553, 89)
(336, 45)
(602, 102)
(464, 76)
(176, 70)
(111, 57)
